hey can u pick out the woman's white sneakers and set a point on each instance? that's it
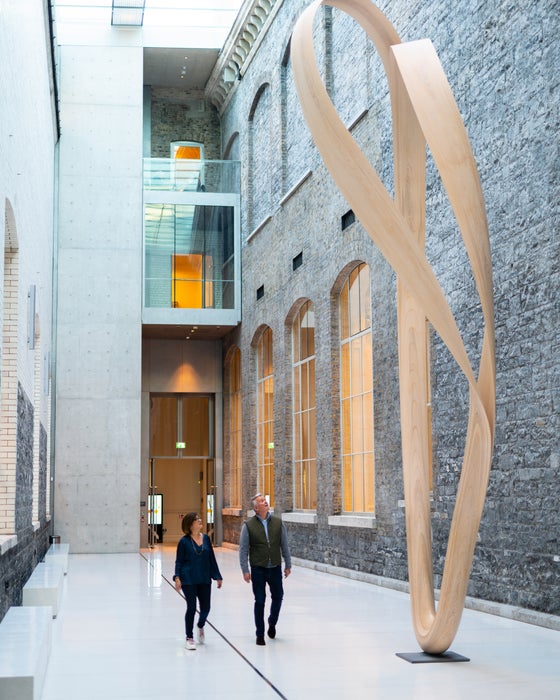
(200, 637)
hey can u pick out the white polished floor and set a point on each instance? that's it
(119, 635)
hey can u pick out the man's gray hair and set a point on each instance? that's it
(254, 498)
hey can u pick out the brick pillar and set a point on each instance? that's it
(8, 395)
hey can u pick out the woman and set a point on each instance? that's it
(195, 566)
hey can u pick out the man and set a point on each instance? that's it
(264, 542)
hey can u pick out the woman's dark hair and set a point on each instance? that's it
(187, 522)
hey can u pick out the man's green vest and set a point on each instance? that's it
(261, 551)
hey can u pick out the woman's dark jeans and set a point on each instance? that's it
(202, 592)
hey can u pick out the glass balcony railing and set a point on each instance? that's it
(184, 175)
(191, 235)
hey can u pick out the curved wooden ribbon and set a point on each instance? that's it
(424, 112)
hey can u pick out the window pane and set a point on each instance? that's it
(358, 485)
(345, 370)
(354, 303)
(297, 438)
(262, 358)
(357, 425)
(313, 485)
(269, 482)
(344, 320)
(298, 488)
(368, 483)
(188, 256)
(365, 304)
(356, 366)
(266, 440)
(305, 435)
(311, 381)
(262, 445)
(297, 389)
(367, 369)
(347, 479)
(312, 433)
(296, 341)
(346, 432)
(304, 386)
(367, 407)
(310, 330)
(268, 352)
(302, 331)
(268, 386)
(260, 404)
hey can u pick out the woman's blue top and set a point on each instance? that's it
(196, 564)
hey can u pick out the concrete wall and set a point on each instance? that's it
(99, 295)
(500, 59)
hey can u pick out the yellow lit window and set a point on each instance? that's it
(356, 393)
(305, 461)
(265, 416)
(235, 429)
(192, 281)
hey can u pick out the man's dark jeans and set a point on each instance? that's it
(260, 576)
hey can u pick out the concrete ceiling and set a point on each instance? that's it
(175, 332)
(185, 69)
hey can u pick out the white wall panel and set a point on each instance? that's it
(99, 298)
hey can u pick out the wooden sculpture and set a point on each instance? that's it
(424, 112)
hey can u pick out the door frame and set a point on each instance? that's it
(213, 462)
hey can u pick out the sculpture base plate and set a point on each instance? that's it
(421, 657)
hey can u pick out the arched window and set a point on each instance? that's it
(356, 393)
(235, 429)
(265, 417)
(305, 459)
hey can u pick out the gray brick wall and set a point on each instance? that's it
(18, 562)
(501, 61)
(183, 116)
(24, 462)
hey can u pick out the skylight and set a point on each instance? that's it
(212, 18)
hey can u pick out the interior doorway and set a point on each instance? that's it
(182, 464)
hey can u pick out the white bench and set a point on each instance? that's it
(58, 553)
(25, 645)
(44, 586)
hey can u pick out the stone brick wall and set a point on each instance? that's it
(18, 562)
(183, 116)
(43, 473)
(24, 462)
(500, 59)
